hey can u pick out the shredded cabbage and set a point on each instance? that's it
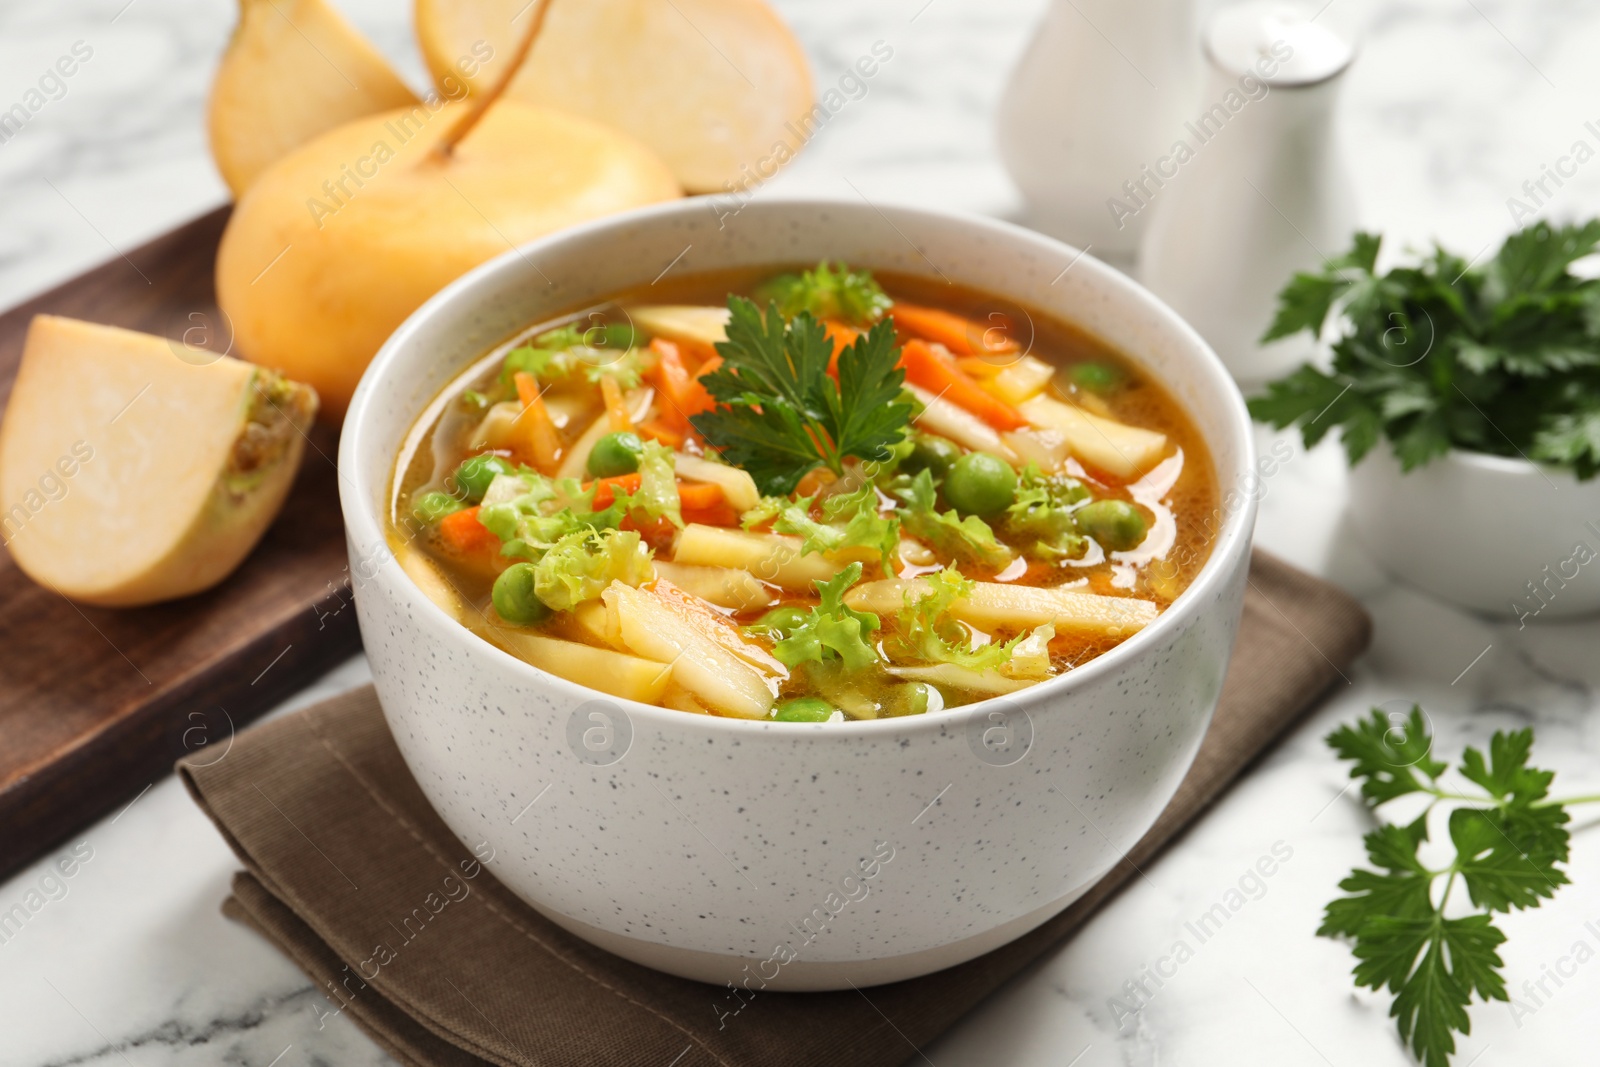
(832, 629)
(929, 633)
(968, 538)
(582, 564)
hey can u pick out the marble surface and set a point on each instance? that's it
(1451, 106)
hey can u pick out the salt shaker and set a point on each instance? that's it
(1256, 189)
(1093, 101)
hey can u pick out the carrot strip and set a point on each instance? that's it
(616, 407)
(682, 392)
(534, 429)
(956, 332)
(604, 488)
(978, 367)
(464, 535)
(942, 377)
(699, 495)
(719, 514)
(657, 430)
(843, 337)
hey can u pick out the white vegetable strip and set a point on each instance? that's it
(991, 605)
(726, 587)
(738, 488)
(725, 683)
(948, 674)
(1047, 448)
(617, 673)
(717, 628)
(770, 557)
(682, 322)
(1023, 379)
(946, 419)
(1114, 447)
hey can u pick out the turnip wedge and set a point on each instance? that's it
(133, 472)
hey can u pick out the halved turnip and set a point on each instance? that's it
(131, 474)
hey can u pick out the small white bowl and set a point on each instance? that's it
(1500, 536)
(789, 855)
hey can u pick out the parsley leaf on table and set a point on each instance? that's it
(1509, 844)
(1502, 357)
(780, 414)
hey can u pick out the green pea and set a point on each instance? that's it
(431, 507)
(615, 453)
(1116, 524)
(781, 621)
(930, 453)
(1095, 377)
(803, 709)
(514, 599)
(472, 478)
(980, 483)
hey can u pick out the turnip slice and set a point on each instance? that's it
(135, 470)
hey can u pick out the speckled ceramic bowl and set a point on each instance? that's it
(784, 855)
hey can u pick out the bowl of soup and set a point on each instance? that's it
(822, 595)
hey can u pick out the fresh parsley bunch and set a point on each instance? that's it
(1510, 840)
(780, 414)
(1501, 358)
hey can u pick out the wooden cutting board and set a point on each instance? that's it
(96, 704)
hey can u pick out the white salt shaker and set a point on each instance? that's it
(1096, 97)
(1262, 190)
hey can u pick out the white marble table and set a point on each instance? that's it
(1453, 104)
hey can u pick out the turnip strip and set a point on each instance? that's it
(738, 488)
(716, 627)
(1114, 447)
(770, 557)
(1045, 448)
(726, 587)
(948, 674)
(656, 629)
(944, 418)
(616, 673)
(682, 322)
(993, 605)
(1023, 379)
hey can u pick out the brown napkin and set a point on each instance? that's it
(346, 868)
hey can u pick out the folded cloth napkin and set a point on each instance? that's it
(444, 966)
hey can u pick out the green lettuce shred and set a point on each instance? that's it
(849, 520)
(832, 630)
(970, 538)
(929, 633)
(563, 352)
(1040, 521)
(529, 512)
(583, 563)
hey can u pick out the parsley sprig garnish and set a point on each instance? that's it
(1502, 357)
(1510, 840)
(780, 414)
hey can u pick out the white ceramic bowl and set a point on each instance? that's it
(1502, 536)
(777, 854)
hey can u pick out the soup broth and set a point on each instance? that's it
(852, 497)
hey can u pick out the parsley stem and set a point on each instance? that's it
(1591, 798)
